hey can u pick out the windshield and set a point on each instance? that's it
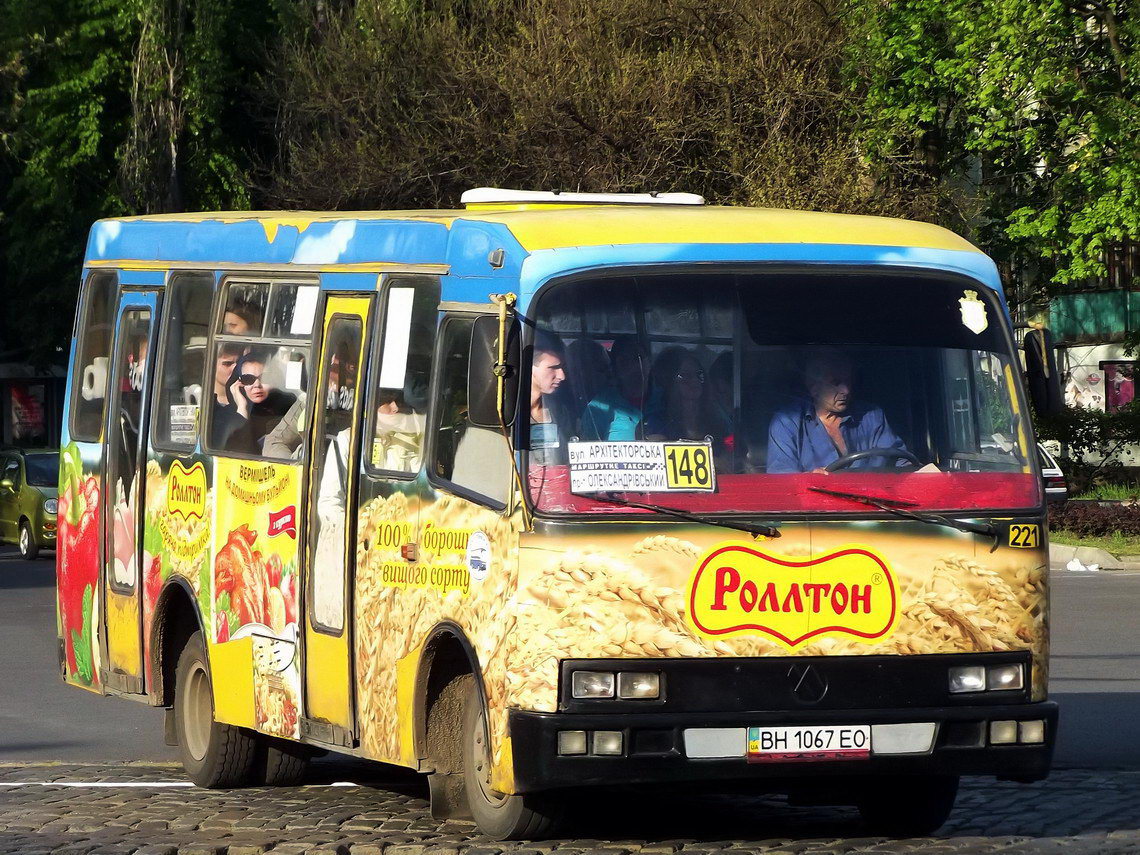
(744, 392)
(42, 469)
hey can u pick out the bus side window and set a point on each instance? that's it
(475, 459)
(400, 398)
(181, 391)
(89, 374)
(257, 369)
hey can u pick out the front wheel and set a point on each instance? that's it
(908, 806)
(215, 756)
(29, 549)
(499, 816)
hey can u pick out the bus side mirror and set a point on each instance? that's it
(482, 379)
(1041, 372)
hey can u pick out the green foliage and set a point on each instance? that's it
(112, 107)
(81, 641)
(1091, 439)
(1031, 105)
(66, 73)
(407, 104)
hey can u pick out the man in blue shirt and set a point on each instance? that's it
(819, 430)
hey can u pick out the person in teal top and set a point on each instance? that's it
(614, 414)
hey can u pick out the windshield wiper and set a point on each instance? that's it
(898, 508)
(754, 529)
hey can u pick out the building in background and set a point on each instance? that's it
(1091, 324)
(31, 405)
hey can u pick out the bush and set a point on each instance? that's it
(1086, 519)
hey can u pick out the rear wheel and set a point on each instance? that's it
(214, 755)
(499, 816)
(285, 762)
(29, 549)
(908, 806)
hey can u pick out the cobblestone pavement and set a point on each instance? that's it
(149, 810)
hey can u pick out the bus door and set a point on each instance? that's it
(123, 498)
(334, 463)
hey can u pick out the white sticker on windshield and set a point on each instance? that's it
(973, 312)
(641, 467)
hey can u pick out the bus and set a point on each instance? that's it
(560, 491)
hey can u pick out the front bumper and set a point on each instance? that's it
(654, 746)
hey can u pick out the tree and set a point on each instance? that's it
(1030, 106)
(399, 104)
(66, 67)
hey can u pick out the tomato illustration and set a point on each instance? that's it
(78, 562)
(153, 584)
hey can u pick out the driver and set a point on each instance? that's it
(819, 430)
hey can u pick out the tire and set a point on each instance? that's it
(29, 549)
(500, 817)
(908, 806)
(283, 763)
(215, 756)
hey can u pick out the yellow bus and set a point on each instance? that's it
(559, 491)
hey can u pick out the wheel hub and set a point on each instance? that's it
(197, 711)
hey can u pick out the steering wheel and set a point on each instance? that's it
(846, 460)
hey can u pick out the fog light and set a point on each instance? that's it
(1031, 731)
(1003, 677)
(967, 678)
(1003, 732)
(607, 742)
(592, 684)
(571, 742)
(631, 685)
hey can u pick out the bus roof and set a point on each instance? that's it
(538, 241)
(541, 227)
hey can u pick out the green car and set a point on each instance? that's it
(29, 483)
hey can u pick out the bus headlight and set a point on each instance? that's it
(967, 678)
(1001, 677)
(634, 686)
(592, 684)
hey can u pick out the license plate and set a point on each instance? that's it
(799, 744)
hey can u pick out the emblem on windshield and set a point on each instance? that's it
(973, 312)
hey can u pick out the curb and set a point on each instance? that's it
(1062, 555)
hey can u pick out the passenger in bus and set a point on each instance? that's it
(260, 406)
(828, 423)
(240, 318)
(684, 411)
(226, 417)
(399, 435)
(549, 416)
(615, 412)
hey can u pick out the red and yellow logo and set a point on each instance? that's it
(738, 590)
(186, 490)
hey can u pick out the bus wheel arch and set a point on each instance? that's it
(176, 618)
(447, 668)
(453, 737)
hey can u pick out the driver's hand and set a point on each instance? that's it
(929, 467)
(820, 471)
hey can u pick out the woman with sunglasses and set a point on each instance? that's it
(259, 405)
